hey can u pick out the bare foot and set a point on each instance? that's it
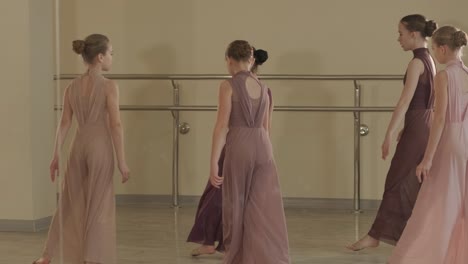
(363, 243)
(203, 250)
(42, 261)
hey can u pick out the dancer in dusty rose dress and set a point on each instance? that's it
(437, 232)
(83, 226)
(208, 226)
(415, 106)
(254, 225)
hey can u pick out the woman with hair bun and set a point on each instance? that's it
(415, 107)
(207, 228)
(83, 227)
(254, 225)
(437, 232)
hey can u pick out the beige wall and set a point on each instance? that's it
(42, 91)
(15, 132)
(314, 151)
(25, 109)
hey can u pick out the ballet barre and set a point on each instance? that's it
(288, 77)
(176, 108)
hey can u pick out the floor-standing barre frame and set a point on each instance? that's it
(175, 109)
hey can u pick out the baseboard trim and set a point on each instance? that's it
(7, 225)
(289, 202)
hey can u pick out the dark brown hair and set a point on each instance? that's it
(91, 46)
(260, 57)
(450, 36)
(418, 23)
(239, 50)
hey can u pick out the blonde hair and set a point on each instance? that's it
(239, 50)
(450, 36)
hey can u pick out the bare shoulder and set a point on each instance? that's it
(225, 84)
(416, 65)
(441, 77)
(110, 86)
(70, 85)
(225, 87)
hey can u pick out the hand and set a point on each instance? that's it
(54, 168)
(124, 171)
(216, 180)
(386, 147)
(399, 135)
(422, 171)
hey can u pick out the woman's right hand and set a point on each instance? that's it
(422, 171)
(54, 167)
(216, 180)
(124, 171)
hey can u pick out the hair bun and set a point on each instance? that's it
(79, 46)
(459, 38)
(260, 56)
(431, 26)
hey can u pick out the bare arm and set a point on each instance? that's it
(268, 116)
(220, 131)
(266, 121)
(438, 124)
(112, 103)
(65, 123)
(415, 69)
(61, 134)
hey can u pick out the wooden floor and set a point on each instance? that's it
(157, 233)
